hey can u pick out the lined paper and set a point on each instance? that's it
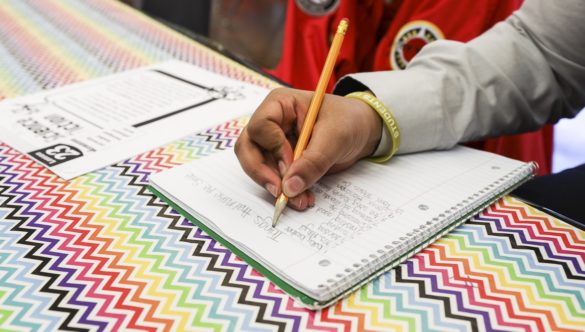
(362, 216)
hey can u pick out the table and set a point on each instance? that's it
(100, 252)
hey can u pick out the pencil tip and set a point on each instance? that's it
(278, 208)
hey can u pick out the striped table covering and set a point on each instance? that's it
(100, 252)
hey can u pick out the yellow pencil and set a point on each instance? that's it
(314, 108)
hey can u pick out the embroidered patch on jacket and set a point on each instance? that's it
(317, 7)
(410, 40)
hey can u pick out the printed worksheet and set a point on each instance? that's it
(83, 127)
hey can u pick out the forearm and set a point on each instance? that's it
(519, 75)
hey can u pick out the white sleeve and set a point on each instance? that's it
(522, 73)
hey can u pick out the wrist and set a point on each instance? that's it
(376, 129)
(389, 137)
(368, 128)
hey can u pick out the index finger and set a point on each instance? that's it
(269, 126)
(257, 165)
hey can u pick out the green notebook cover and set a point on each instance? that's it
(307, 300)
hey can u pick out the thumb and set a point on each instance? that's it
(308, 169)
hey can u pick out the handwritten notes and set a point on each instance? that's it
(227, 201)
(345, 211)
(364, 218)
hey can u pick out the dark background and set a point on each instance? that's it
(249, 31)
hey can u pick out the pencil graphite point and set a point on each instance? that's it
(278, 208)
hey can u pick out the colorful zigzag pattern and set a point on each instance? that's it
(101, 253)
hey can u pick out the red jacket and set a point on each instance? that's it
(387, 36)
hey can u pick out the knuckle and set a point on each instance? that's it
(253, 127)
(276, 94)
(278, 90)
(256, 131)
(283, 96)
(242, 142)
(268, 138)
(238, 146)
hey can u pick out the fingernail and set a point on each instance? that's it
(297, 202)
(293, 186)
(281, 167)
(271, 189)
(301, 203)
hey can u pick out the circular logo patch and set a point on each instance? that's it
(409, 41)
(317, 7)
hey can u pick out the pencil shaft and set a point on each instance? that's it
(322, 84)
(314, 108)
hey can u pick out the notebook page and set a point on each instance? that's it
(360, 215)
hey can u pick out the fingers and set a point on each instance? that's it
(303, 201)
(263, 149)
(316, 160)
(319, 157)
(346, 131)
(256, 165)
(270, 124)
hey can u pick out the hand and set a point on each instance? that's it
(346, 130)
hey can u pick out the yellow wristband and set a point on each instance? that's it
(388, 119)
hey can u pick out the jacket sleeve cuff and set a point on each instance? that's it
(420, 130)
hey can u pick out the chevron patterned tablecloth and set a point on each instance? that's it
(100, 252)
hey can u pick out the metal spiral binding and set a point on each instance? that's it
(387, 256)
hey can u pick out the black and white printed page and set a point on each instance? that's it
(86, 126)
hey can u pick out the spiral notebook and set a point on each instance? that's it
(366, 220)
